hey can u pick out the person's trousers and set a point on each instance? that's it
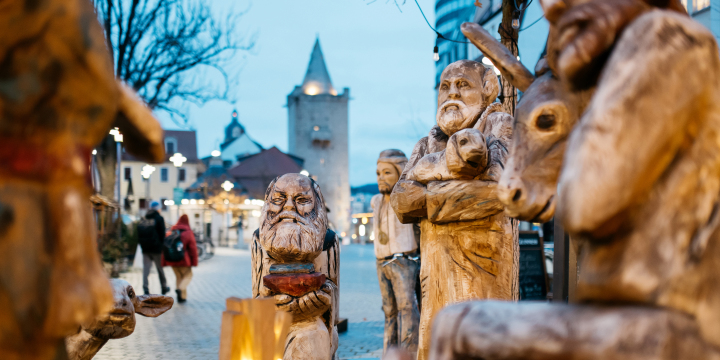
(402, 318)
(183, 275)
(148, 259)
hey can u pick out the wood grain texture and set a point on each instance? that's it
(59, 98)
(495, 330)
(294, 284)
(469, 247)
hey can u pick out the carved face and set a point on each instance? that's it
(471, 147)
(387, 176)
(466, 89)
(293, 220)
(120, 321)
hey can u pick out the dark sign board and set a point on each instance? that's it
(533, 275)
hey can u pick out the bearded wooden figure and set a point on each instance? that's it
(469, 246)
(639, 186)
(295, 259)
(398, 261)
(58, 100)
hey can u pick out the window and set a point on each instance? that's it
(143, 204)
(700, 4)
(128, 173)
(164, 174)
(170, 146)
(163, 207)
(181, 174)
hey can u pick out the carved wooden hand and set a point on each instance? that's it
(308, 306)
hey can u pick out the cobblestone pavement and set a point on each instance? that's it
(192, 330)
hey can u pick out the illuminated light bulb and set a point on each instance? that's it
(516, 23)
(247, 201)
(487, 61)
(185, 201)
(364, 220)
(227, 185)
(215, 153)
(305, 172)
(361, 230)
(193, 201)
(436, 55)
(312, 90)
(201, 202)
(94, 152)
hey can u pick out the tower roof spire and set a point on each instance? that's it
(317, 80)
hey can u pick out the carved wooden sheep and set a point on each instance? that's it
(474, 153)
(118, 323)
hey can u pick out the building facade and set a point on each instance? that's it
(137, 192)
(237, 143)
(318, 133)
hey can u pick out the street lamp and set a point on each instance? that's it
(177, 159)
(227, 185)
(146, 171)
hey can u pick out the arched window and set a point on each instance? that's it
(170, 146)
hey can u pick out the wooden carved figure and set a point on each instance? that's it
(116, 324)
(58, 99)
(640, 187)
(469, 246)
(295, 259)
(398, 261)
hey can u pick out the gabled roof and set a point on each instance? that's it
(317, 79)
(254, 173)
(186, 141)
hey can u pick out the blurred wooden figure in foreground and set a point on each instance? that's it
(58, 100)
(295, 261)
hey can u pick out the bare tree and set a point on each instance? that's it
(164, 50)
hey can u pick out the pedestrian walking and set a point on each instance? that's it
(181, 254)
(151, 235)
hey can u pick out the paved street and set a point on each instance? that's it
(191, 330)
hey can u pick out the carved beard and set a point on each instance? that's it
(385, 188)
(288, 241)
(453, 119)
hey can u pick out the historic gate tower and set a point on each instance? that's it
(318, 133)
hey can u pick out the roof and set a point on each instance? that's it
(254, 173)
(211, 180)
(317, 79)
(186, 145)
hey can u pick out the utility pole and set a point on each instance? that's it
(509, 37)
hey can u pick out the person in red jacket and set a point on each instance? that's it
(183, 268)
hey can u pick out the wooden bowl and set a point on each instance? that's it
(294, 284)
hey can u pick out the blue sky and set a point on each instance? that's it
(383, 55)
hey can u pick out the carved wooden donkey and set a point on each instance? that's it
(295, 259)
(116, 324)
(58, 99)
(641, 186)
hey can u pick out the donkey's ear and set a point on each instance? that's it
(153, 305)
(510, 67)
(553, 9)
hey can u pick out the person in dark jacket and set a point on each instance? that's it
(152, 253)
(183, 268)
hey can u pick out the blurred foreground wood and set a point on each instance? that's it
(252, 329)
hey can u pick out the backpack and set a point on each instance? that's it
(173, 248)
(147, 233)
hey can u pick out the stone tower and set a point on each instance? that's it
(318, 133)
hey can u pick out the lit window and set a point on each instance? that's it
(699, 4)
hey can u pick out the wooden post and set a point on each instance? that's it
(252, 329)
(560, 264)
